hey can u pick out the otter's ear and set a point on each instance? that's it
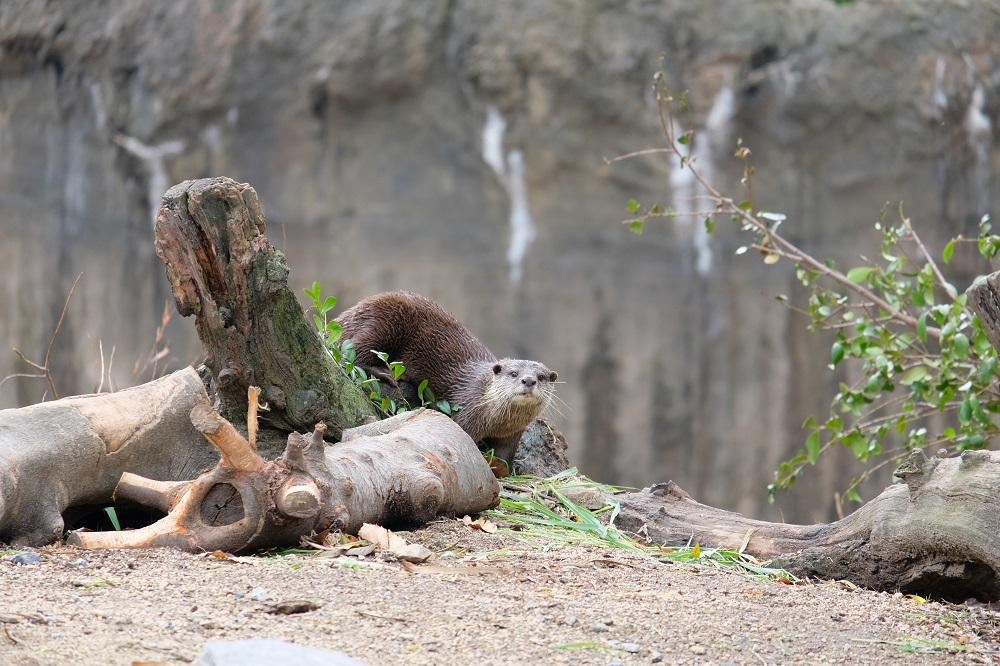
(497, 368)
(553, 375)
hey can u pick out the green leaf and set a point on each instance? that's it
(836, 353)
(709, 225)
(746, 204)
(444, 406)
(632, 205)
(961, 344)
(685, 139)
(421, 388)
(113, 517)
(320, 324)
(812, 446)
(859, 273)
(914, 374)
(948, 250)
(922, 327)
(397, 369)
(329, 304)
(635, 226)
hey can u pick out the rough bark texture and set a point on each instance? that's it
(407, 469)
(983, 298)
(934, 534)
(73, 451)
(210, 235)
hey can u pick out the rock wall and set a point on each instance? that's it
(456, 148)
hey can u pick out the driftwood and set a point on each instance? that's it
(72, 452)
(407, 469)
(936, 533)
(210, 235)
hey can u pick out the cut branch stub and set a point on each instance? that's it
(422, 464)
(222, 269)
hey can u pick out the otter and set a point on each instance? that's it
(498, 397)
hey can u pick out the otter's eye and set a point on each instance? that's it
(542, 378)
(513, 373)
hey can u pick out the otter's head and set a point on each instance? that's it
(528, 383)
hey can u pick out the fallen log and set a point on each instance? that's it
(934, 534)
(210, 235)
(406, 469)
(73, 451)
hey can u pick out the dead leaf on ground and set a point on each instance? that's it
(293, 607)
(480, 523)
(229, 557)
(384, 539)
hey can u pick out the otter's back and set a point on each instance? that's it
(419, 333)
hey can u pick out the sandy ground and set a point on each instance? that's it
(486, 599)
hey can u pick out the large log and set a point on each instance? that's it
(210, 235)
(935, 534)
(73, 451)
(406, 469)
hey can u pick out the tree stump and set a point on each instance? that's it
(210, 235)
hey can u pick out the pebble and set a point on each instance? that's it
(80, 563)
(258, 594)
(698, 649)
(631, 648)
(571, 621)
(655, 658)
(26, 558)
(598, 626)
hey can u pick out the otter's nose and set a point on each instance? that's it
(529, 381)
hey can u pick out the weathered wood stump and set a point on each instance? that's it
(210, 235)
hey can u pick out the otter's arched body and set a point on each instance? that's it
(498, 398)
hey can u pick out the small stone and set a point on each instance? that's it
(26, 558)
(655, 658)
(571, 621)
(598, 626)
(258, 594)
(698, 649)
(631, 648)
(80, 563)
(265, 652)
(616, 663)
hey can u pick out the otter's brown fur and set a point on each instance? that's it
(498, 398)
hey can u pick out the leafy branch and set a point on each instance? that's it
(914, 349)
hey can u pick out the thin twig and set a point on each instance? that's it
(55, 333)
(947, 286)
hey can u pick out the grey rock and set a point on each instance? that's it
(27, 558)
(268, 652)
(631, 648)
(259, 594)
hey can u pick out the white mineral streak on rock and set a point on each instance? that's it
(683, 185)
(939, 95)
(510, 171)
(153, 157)
(980, 132)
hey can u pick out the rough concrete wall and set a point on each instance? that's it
(362, 127)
